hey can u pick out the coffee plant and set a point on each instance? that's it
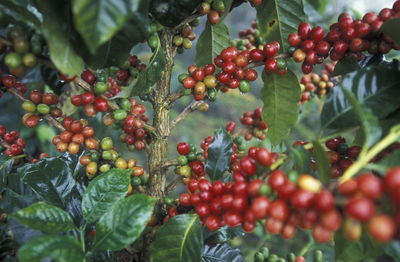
(105, 75)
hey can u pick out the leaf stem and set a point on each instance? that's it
(375, 150)
(82, 239)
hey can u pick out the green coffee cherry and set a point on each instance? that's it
(182, 77)
(258, 257)
(104, 168)
(272, 258)
(100, 88)
(106, 143)
(191, 156)
(120, 114)
(107, 155)
(264, 190)
(318, 256)
(169, 200)
(125, 104)
(136, 181)
(265, 251)
(293, 176)
(43, 109)
(29, 106)
(291, 257)
(182, 160)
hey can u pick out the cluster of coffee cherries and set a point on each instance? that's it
(188, 164)
(20, 56)
(253, 122)
(130, 118)
(347, 36)
(319, 84)
(77, 133)
(184, 38)
(340, 155)
(9, 81)
(213, 9)
(200, 82)
(106, 158)
(39, 105)
(16, 143)
(249, 38)
(364, 195)
(265, 255)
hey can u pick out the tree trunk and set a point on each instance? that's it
(159, 144)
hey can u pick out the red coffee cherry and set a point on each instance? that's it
(370, 185)
(360, 208)
(183, 148)
(294, 39)
(304, 30)
(382, 228)
(248, 166)
(276, 179)
(260, 206)
(101, 104)
(324, 201)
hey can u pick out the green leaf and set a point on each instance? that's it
(57, 248)
(277, 19)
(219, 155)
(393, 249)
(53, 29)
(104, 192)
(222, 253)
(374, 86)
(346, 65)
(180, 239)
(322, 162)
(6, 164)
(302, 159)
(391, 28)
(124, 223)
(390, 160)
(319, 5)
(99, 20)
(45, 217)
(346, 250)
(50, 178)
(148, 77)
(369, 122)
(228, 4)
(45, 133)
(281, 96)
(212, 41)
(21, 11)
(222, 234)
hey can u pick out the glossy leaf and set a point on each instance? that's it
(393, 249)
(369, 122)
(148, 77)
(228, 5)
(99, 20)
(277, 19)
(346, 250)
(57, 248)
(301, 157)
(212, 41)
(374, 86)
(391, 28)
(104, 192)
(45, 217)
(50, 178)
(123, 223)
(62, 53)
(322, 162)
(222, 253)
(281, 96)
(349, 64)
(219, 155)
(6, 164)
(22, 11)
(179, 240)
(222, 234)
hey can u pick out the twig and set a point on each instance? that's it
(186, 21)
(175, 96)
(173, 185)
(189, 109)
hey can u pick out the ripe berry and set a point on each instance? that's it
(324, 201)
(256, 55)
(76, 100)
(270, 65)
(307, 45)
(270, 50)
(260, 206)
(370, 18)
(317, 34)
(360, 208)
(101, 104)
(382, 228)
(213, 223)
(248, 166)
(301, 199)
(88, 76)
(183, 148)
(370, 185)
(304, 30)
(263, 157)
(392, 179)
(88, 98)
(294, 39)
(232, 218)
(189, 82)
